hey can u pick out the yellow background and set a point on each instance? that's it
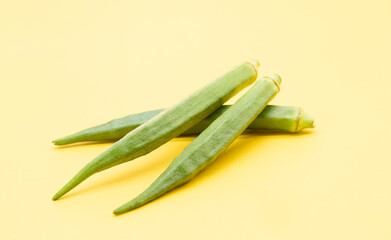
(68, 65)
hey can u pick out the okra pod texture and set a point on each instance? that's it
(210, 143)
(282, 118)
(168, 124)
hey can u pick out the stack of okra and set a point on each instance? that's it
(201, 113)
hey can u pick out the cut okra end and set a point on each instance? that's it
(255, 63)
(304, 121)
(276, 78)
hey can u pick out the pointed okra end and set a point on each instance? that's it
(87, 171)
(60, 141)
(124, 208)
(67, 140)
(137, 202)
(81, 136)
(63, 191)
(57, 196)
(304, 121)
(118, 211)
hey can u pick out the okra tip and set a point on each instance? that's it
(131, 205)
(82, 175)
(59, 194)
(62, 141)
(118, 212)
(56, 197)
(77, 137)
(121, 210)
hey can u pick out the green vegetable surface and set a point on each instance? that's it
(210, 143)
(169, 123)
(289, 119)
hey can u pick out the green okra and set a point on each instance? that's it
(289, 119)
(168, 124)
(210, 143)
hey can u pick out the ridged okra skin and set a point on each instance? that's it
(210, 143)
(113, 130)
(282, 118)
(169, 123)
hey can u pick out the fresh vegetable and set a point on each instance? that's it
(168, 124)
(210, 143)
(290, 119)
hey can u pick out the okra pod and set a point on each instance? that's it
(210, 143)
(169, 123)
(282, 118)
